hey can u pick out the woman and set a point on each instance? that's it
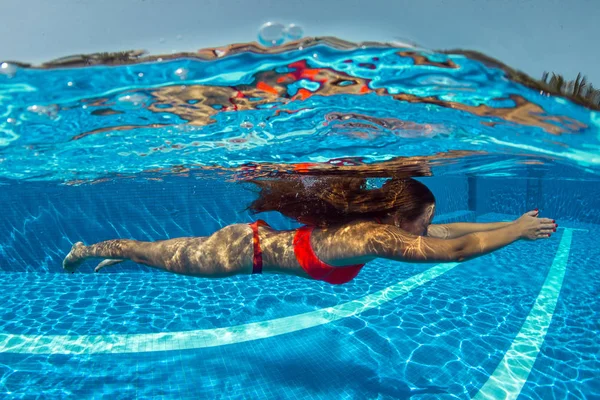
(347, 225)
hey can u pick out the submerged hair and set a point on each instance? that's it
(324, 201)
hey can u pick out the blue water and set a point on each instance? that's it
(157, 150)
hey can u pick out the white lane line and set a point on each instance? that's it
(166, 341)
(510, 375)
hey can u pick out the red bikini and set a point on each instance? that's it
(306, 257)
(257, 262)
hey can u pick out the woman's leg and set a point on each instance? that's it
(227, 252)
(164, 254)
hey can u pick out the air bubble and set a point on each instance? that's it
(11, 121)
(271, 34)
(181, 73)
(261, 125)
(8, 69)
(404, 43)
(294, 32)
(70, 84)
(247, 125)
(141, 75)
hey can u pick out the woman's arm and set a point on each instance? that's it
(392, 243)
(451, 231)
(455, 230)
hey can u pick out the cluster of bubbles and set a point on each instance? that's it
(133, 101)
(44, 111)
(275, 33)
(250, 125)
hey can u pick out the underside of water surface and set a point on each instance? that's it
(321, 104)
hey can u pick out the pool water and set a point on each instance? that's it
(162, 148)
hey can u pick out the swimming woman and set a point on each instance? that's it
(346, 226)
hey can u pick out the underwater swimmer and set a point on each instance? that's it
(346, 226)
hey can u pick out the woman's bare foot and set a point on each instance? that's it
(106, 263)
(75, 258)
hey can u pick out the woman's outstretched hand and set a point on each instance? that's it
(532, 228)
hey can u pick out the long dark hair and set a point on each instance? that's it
(324, 201)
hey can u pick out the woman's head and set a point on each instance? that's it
(325, 201)
(417, 226)
(415, 206)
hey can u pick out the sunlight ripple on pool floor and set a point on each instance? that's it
(166, 341)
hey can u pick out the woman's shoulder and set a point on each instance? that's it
(355, 227)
